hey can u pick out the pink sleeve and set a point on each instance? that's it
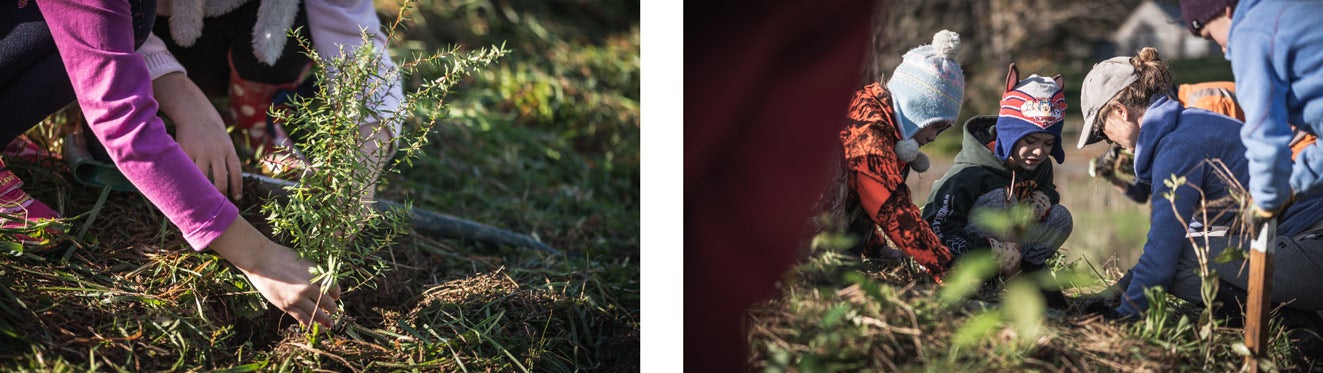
(95, 40)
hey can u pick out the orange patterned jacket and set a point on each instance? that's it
(875, 178)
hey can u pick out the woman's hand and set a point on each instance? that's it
(278, 273)
(200, 132)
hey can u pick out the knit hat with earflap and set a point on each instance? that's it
(928, 86)
(1033, 105)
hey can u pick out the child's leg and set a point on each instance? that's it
(1003, 249)
(993, 201)
(1057, 233)
(1042, 240)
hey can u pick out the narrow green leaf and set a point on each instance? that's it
(977, 328)
(968, 273)
(1023, 306)
(1229, 255)
(834, 315)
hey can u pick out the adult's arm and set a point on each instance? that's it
(1261, 89)
(1166, 234)
(1138, 191)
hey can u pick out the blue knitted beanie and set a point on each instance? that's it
(928, 86)
(1035, 104)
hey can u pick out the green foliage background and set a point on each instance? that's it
(546, 141)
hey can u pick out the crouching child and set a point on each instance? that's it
(1003, 163)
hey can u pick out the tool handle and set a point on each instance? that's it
(1260, 292)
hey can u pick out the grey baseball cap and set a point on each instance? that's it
(1104, 81)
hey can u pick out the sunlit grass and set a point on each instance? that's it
(545, 143)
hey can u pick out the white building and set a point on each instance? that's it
(1159, 25)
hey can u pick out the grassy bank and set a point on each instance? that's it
(544, 143)
(837, 312)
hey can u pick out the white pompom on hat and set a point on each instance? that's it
(908, 151)
(928, 86)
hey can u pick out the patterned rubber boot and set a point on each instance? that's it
(258, 133)
(19, 212)
(23, 148)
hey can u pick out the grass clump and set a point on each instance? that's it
(533, 310)
(838, 311)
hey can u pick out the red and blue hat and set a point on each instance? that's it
(1033, 105)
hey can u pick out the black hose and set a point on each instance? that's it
(434, 223)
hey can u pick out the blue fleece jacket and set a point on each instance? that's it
(1276, 52)
(1177, 141)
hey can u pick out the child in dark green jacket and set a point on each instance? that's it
(1004, 162)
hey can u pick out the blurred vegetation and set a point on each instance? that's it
(840, 312)
(545, 143)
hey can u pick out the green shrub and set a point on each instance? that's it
(324, 216)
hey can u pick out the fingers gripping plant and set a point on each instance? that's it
(328, 216)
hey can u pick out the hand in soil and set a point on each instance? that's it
(278, 273)
(284, 279)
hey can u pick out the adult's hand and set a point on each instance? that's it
(278, 273)
(1112, 314)
(1258, 216)
(200, 132)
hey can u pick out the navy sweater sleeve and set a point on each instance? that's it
(1138, 191)
(1166, 235)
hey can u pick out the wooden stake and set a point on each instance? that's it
(1260, 293)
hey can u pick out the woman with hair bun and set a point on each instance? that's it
(1128, 101)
